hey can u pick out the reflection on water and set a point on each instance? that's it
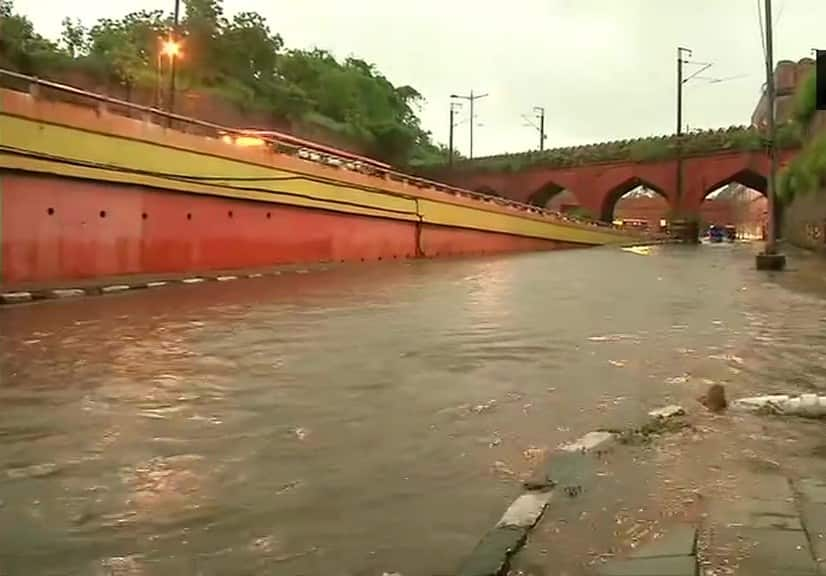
(359, 420)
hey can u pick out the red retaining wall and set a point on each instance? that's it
(57, 229)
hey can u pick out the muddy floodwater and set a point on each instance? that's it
(359, 420)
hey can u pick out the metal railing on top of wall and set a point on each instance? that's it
(277, 141)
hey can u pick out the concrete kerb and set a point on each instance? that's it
(115, 288)
(20, 297)
(15, 297)
(813, 516)
(567, 469)
(805, 405)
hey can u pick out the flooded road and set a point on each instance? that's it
(359, 420)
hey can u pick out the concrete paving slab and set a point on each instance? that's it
(526, 510)
(668, 566)
(566, 471)
(813, 490)
(756, 513)
(678, 541)
(491, 555)
(785, 551)
(814, 520)
(770, 487)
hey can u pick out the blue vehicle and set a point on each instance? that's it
(715, 234)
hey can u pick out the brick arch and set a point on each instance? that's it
(611, 198)
(748, 177)
(545, 193)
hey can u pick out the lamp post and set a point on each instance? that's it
(472, 99)
(680, 82)
(173, 54)
(770, 259)
(172, 50)
(541, 111)
(453, 107)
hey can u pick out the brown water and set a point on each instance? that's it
(359, 420)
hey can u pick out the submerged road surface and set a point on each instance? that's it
(360, 420)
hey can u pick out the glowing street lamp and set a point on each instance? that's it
(167, 47)
(171, 49)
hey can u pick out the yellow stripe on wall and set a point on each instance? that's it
(156, 162)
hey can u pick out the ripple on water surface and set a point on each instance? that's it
(359, 420)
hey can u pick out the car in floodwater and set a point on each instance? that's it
(730, 233)
(715, 234)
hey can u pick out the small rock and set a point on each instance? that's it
(715, 398)
(525, 510)
(588, 443)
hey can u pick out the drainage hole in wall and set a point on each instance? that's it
(103, 213)
(189, 216)
(50, 211)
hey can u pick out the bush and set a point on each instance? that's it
(805, 101)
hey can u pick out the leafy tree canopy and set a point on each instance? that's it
(240, 60)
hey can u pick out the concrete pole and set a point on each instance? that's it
(472, 120)
(771, 241)
(452, 125)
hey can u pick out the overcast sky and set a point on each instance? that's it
(603, 69)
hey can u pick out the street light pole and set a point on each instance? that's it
(541, 111)
(453, 106)
(172, 57)
(769, 259)
(680, 82)
(771, 241)
(472, 98)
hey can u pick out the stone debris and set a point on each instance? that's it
(526, 510)
(479, 408)
(670, 411)
(533, 453)
(806, 405)
(588, 443)
(503, 469)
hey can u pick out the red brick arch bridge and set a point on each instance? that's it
(599, 175)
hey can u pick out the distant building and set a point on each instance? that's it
(788, 76)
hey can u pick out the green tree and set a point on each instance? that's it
(126, 50)
(74, 38)
(239, 60)
(21, 48)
